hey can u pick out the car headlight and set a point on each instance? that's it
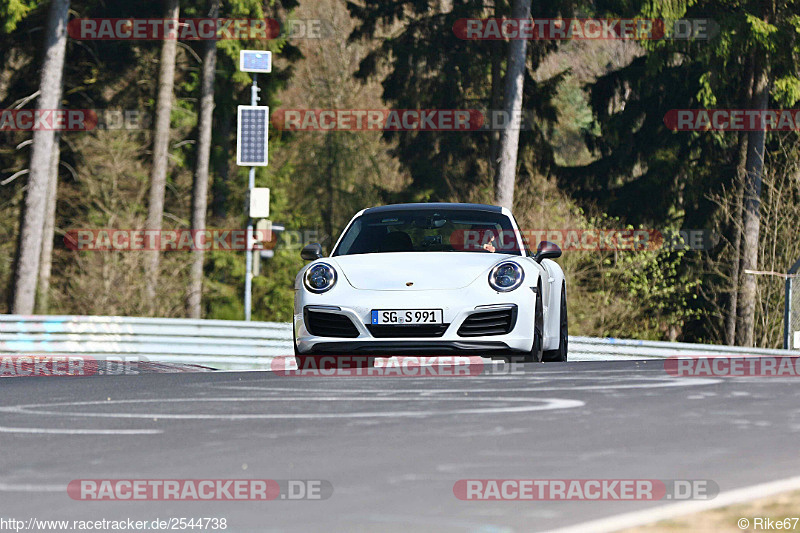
(506, 276)
(320, 278)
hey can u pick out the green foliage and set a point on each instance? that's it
(273, 294)
(224, 285)
(786, 90)
(659, 284)
(761, 31)
(12, 11)
(430, 67)
(575, 121)
(598, 154)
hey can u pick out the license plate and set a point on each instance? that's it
(407, 317)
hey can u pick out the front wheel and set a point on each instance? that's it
(560, 355)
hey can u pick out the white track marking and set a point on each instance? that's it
(57, 431)
(609, 357)
(11, 487)
(539, 404)
(384, 361)
(673, 382)
(536, 371)
(666, 512)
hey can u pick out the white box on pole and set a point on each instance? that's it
(259, 202)
(264, 229)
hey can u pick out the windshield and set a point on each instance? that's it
(430, 230)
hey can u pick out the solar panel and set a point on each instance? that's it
(252, 136)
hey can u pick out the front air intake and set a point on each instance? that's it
(322, 324)
(497, 321)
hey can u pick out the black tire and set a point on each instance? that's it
(560, 355)
(299, 359)
(536, 354)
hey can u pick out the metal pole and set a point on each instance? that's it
(788, 311)
(251, 183)
(787, 316)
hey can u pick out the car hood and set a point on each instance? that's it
(425, 270)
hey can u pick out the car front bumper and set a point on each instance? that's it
(457, 306)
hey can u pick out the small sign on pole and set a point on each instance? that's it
(259, 202)
(255, 61)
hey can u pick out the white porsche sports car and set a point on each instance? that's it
(432, 278)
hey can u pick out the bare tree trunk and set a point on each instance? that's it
(741, 171)
(751, 219)
(496, 99)
(31, 228)
(200, 186)
(158, 174)
(512, 105)
(736, 260)
(495, 102)
(46, 263)
(331, 174)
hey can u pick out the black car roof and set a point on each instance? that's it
(433, 205)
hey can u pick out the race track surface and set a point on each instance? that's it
(392, 448)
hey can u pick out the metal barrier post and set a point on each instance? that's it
(787, 315)
(791, 311)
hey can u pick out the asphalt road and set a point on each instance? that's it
(392, 448)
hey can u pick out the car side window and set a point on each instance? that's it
(524, 237)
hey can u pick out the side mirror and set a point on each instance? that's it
(546, 250)
(313, 251)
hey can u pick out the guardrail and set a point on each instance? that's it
(233, 344)
(219, 343)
